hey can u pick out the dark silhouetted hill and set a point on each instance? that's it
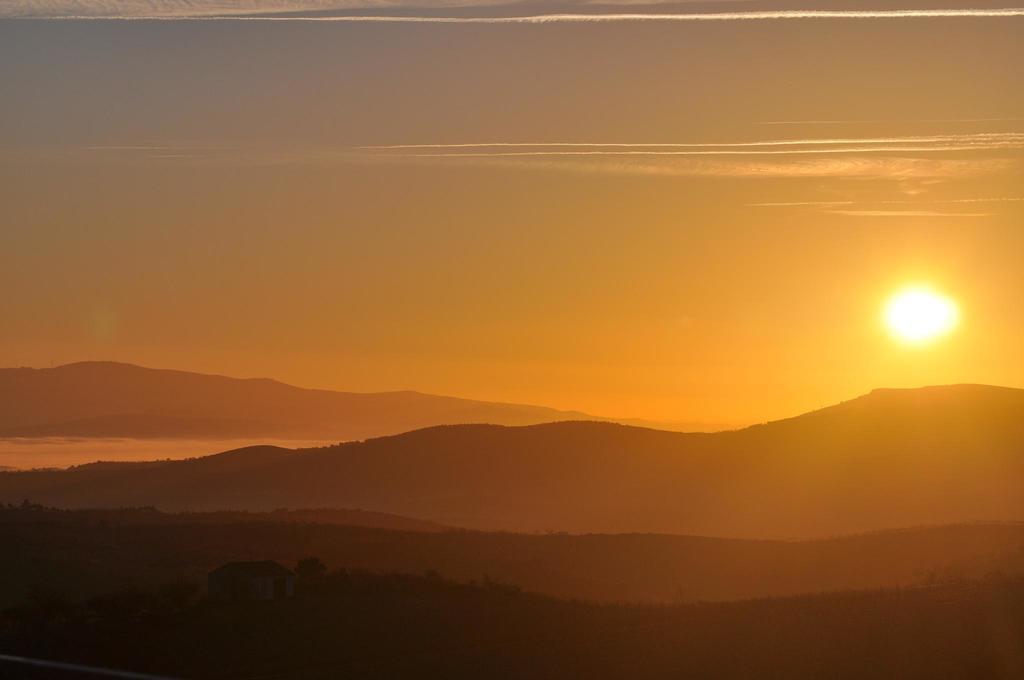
(86, 552)
(397, 626)
(28, 513)
(893, 458)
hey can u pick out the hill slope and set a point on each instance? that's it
(105, 399)
(393, 626)
(85, 552)
(890, 459)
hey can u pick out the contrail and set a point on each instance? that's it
(575, 18)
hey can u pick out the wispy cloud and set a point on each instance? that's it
(900, 169)
(900, 158)
(184, 9)
(779, 147)
(941, 142)
(199, 10)
(826, 204)
(904, 213)
(722, 152)
(854, 121)
(815, 162)
(879, 208)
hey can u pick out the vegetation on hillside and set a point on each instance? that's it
(87, 552)
(353, 624)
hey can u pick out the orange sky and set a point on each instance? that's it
(200, 196)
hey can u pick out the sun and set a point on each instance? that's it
(917, 315)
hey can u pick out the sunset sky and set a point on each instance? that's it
(683, 220)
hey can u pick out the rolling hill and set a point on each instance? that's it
(107, 399)
(889, 459)
(369, 626)
(85, 552)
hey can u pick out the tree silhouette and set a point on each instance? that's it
(310, 568)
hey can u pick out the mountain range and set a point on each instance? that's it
(108, 399)
(890, 459)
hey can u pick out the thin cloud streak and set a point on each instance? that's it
(726, 163)
(840, 157)
(825, 204)
(726, 152)
(195, 8)
(967, 140)
(768, 15)
(903, 213)
(37, 9)
(843, 166)
(852, 121)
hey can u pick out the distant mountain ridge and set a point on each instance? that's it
(889, 459)
(108, 399)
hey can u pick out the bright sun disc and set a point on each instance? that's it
(917, 315)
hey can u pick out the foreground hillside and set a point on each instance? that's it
(106, 399)
(83, 553)
(389, 626)
(893, 458)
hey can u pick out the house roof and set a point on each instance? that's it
(260, 569)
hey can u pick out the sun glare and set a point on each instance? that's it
(918, 315)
